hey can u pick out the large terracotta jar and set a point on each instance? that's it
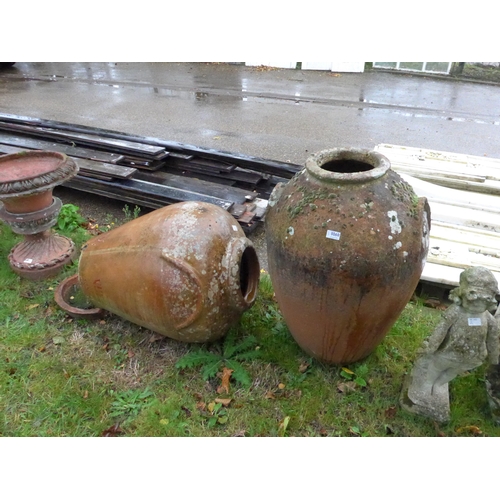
(186, 271)
(347, 240)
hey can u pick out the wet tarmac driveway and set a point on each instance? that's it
(271, 113)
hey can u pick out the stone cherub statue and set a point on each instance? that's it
(465, 338)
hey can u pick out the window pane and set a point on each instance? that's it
(412, 65)
(384, 64)
(441, 67)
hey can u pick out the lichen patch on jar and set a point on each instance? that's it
(394, 222)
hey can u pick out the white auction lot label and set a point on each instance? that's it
(474, 321)
(333, 235)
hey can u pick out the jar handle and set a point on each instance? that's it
(195, 277)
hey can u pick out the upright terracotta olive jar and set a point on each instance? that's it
(186, 271)
(347, 240)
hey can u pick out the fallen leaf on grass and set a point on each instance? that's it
(345, 387)
(223, 401)
(391, 412)
(32, 306)
(58, 340)
(269, 395)
(224, 386)
(113, 431)
(281, 386)
(435, 304)
(439, 432)
(200, 405)
(283, 426)
(155, 337)
(473, 429)
(86, 395)
(303, 367)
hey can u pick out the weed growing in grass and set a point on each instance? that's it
(218, 414)
(359, 378)
(230, 355)
(129, 214)
(69, 218)
(128, 404)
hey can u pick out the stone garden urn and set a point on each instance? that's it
(28, 207)
(347, 240)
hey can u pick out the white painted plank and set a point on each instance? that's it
(436, 173)
(468, 217)
(460, 255)
(445, 275)
(337, 67)
(465, 225)
(429, 160)
(453, 197)
(348, 67)
(326, 66)
(487, 187)
(288, 65)
(474, 240)
(431, 154)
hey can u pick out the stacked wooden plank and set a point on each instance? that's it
(465, 208)
(151, 172)
(460, 171)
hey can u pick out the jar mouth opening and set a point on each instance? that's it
(347, 165)
(243, 273)
(249, 274)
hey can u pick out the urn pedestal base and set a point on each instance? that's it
(41, 256)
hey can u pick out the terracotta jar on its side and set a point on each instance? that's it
(186, 271)
(347, 240)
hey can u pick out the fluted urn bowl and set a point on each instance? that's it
(29, 208)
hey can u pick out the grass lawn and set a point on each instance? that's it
(65, 377)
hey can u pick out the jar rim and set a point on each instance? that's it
(377, 165)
